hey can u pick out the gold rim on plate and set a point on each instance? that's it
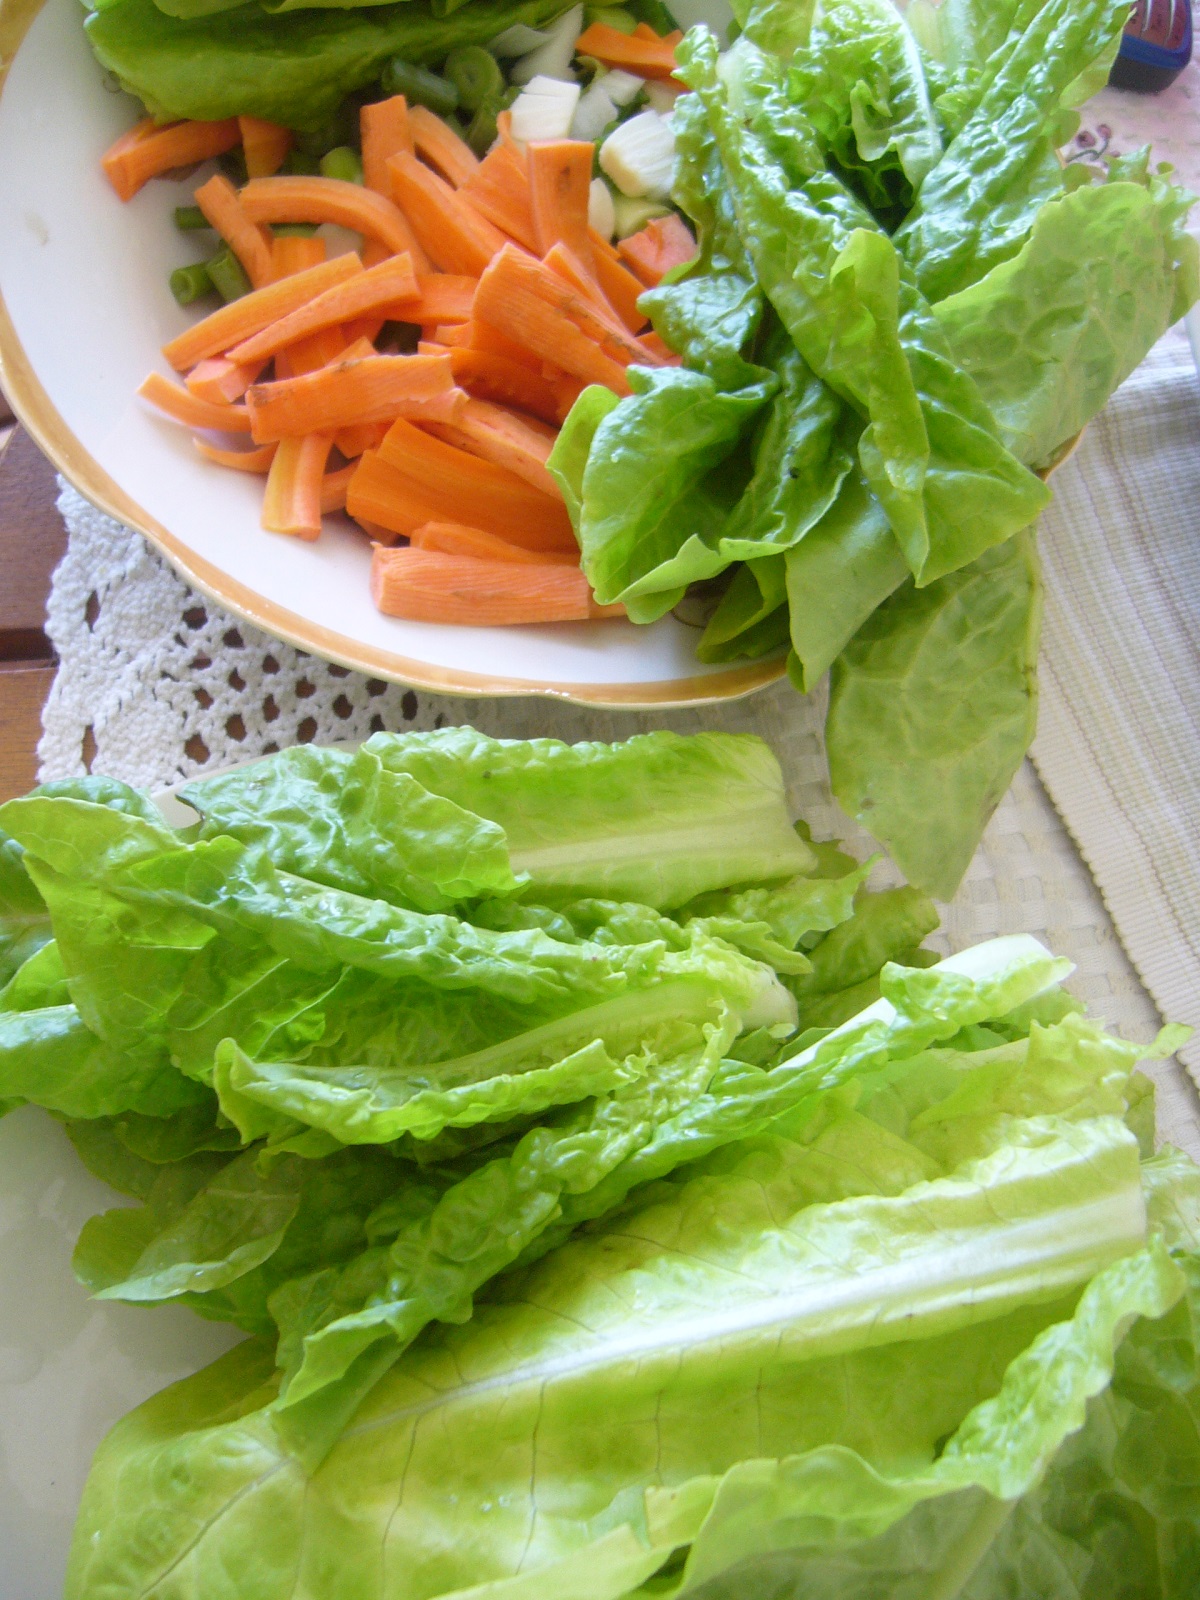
(38, 415)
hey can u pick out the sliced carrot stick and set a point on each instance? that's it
(436, 142)
(221, 380)
(566, 265)
(545, 320)
(352, 442)
(429, 586)
(445, 297)
(368, 328)
(485, 337)
(499, 191)
(296, 252)
(488, 376)
(498, 434)
(218, 200)
(643, 51)
(193, 413)
(602, 246)
(385, 131)
(660, 348)
(560, 179)
(147, 150)
(292, 502)
(455, 539)
(310, 354)
(465, 488)
(350, 205)
(621, 289)
(454, 236)
(377, 289)
(373, 389)
(663, 243)
(515, 273)
(567, 390)
(376, 533)
(240, 460)
(333, 488)
(238, 320)
(449, 334)
(265, 146)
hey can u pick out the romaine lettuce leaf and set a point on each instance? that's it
(294, 69)
(929, 451)
(1049, 334)
(932, 707)
(657, 819)
(977, 205)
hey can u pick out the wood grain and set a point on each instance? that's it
(32, 539)
(23, 692)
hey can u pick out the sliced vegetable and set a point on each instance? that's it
(643, 51)
(419, 86)
(371, 389)
(384, 131)
(148, 150)
(176, 402)
(257, 461)
(437, 143)
(350, 205)
(560, 177)
(544, 109)
(295, 483)
(343, 162)
(499, 191)
(453, 539)
(218, 200)
(453, 235)
(424, 585)
(388, 288)
(222, 380)
(663, 244)
(553, 57)
(474, 73)
(602, 216)
(264, 146)
(516, 443)
(639, 156)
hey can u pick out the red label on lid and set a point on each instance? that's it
(1159, 22)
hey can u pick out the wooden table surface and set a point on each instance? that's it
(32, 539)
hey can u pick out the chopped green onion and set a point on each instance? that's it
(189, 284)
(482, 133)
(474, 72)
(343, 163)
(419, 86)
(189, 219)
(227, 275)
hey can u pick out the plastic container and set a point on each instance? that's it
(1156, 46)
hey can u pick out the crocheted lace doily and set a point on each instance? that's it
(157, 684)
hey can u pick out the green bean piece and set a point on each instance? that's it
(419, 86)
(343, 163)
(189, 284)
(227, 275)
(302, 230)
(611, 17)
(476, 74)
(189, 219)
(483, 132)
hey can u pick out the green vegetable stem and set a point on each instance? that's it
(475, 75)
(342, 162)
(189, 284)
(419, 86)
(227, 275)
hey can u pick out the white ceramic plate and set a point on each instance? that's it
(84, 311)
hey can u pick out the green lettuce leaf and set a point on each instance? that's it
(862, 86)
(24, 920)
(751, 617)
(977, 205)
(1049, 334)
(293, 69)
(929, 451)
(657, 819)
(341, 818)
(932, 707)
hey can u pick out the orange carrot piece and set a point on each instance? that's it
(621, 289)
(221, 380)
(265, 146)
(499, 190)
(385, 131)
(240, 460)
(455, 539)
(513, 296)
(567, 390)
(663, 243)
(566, 265)
(311, 354)
(292, 502)
(373, 389)
(454, 236)
(350, 205)
(436, 142)
(560, 179)
(296, 252)
(147, 151)
(519, 274)
(660, 348)
(450, 334)
(430, 586)
(602, 246)
(218, 200)
(493, 377)
(445, 297)
(177, 403)
(363, 436)
(465, 488)
(376, 289)
(485, 337)
(238, 320)
(643, 52)
(333, 488)
(498, 434)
